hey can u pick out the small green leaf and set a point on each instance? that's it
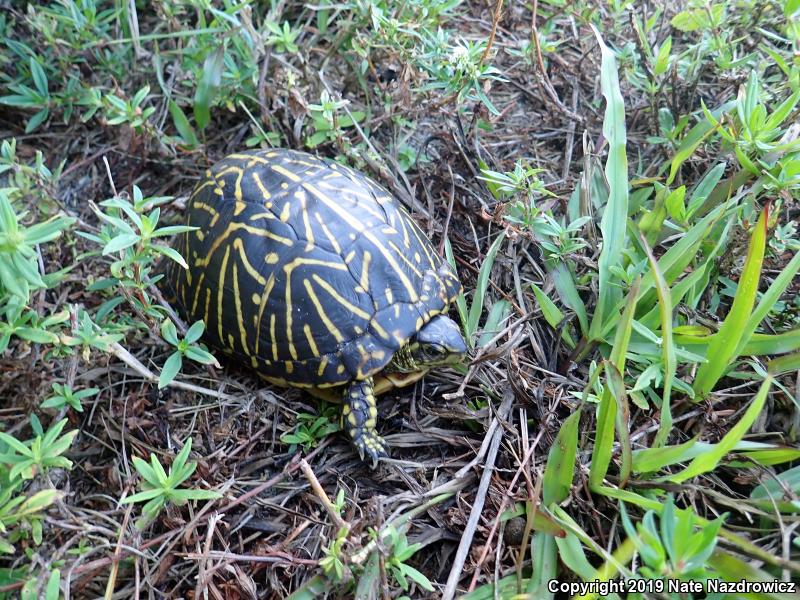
(171, 368)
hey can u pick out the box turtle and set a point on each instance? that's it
(315, 276)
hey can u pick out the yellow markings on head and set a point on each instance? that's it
(286, 173)
(345, 410)
(389, 295)
(232, 227)
(272, 337)
(220, 291)
(271, 258)
(328, 234)
(284, 185)
(254, 362)
(251, 270)
(420, 322)
(197, 292)
(359, 290)
(352, 237)
(256, 298)
(272, 154)
(339, 298)
(209, 173)
(358, 330)
(200, 235)
(261, 188)
(364, 281)
(287, 207)
(239, 207)
(322, 365)
(417, 258)
(396, 311)
(289, 366)
(332, 329)
(311, 342)
(340, 369)
(230, 341)
(350, 256)
(218, 190)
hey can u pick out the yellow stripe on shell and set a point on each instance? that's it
(220, 290)
(356, 225)
(232, 227)
(237, 299)
(312, 344)
(329, 326)
(238, 245)
(261, 188)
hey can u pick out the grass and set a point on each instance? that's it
(616, 185)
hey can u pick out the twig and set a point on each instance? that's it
(480, 497)
(134, 363)
(320, 493)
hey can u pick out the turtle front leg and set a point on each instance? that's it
(359, 417)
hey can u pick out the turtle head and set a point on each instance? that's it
(439, 342)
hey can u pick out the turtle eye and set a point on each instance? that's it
(434, 350)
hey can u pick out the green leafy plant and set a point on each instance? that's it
(43, 452)
(678, 547)
(400, 552)
(63, 395)
(282, 38)
(160, 488)
(311, 429)
(186, 347)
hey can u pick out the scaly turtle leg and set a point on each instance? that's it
(359, 417)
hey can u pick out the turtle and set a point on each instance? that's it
(315, 276)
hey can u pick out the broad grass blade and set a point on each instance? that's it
(613, 224)
(607, 412)
(709, 461)
(667, 347)
(722, 349)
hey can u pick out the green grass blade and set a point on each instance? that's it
(461, 301)
(667, 348)
(708, 461)
(623, 420)
(650, 460)
(560, 469)
(613, 224)
(784, 364)
(722, 349)
(564, 280)
(607, 413)
(544, 555)
(768, 300)
(476, 308)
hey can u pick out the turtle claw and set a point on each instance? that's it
(370, 446)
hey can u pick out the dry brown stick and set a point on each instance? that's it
(498, 8)
(320, 493)
(480, 498)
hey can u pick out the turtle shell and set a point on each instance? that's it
(307, 269)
